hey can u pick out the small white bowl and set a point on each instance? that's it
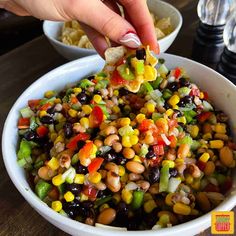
(52, 30)
(221, 91)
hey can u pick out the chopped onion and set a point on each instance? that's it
(190, 160)
(165, 139)
(173, 184)
(131, 186)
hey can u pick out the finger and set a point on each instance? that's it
(14, 7)
(98, 40)
(106, 22)
(140, 17)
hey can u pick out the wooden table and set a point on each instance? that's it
(18, 69)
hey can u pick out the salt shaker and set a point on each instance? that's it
(227, 64)
(208, 43)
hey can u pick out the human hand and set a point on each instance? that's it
(98, 19)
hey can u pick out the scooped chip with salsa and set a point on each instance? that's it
(130, 68)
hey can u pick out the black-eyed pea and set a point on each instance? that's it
(183, 150)
(203, 202)
(144, 185)
(154, 188)
(209, 168)
(117, 146)
(110, 130)
(103, 173)
(43, 173)
(226, 156)
(89, 221)
(111, 166)
(207, 128)
(98, 143)
(135, 167)
(107, 216)
(194, 171)
(111, 139)
(128, 153)
(135, 177)
(113, 181)
(137, 148)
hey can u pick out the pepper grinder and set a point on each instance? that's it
(227, 64)
(209, 44)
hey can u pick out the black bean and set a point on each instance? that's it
(166, 105)
(184, 82)
(82, 97)
(104, 193)
(51, 110)
(68, 130)
(110, 156)
(30, 135)
(71, 208)
(74, 188)
(150, 154)
(123, 92)
(184, 101)
(178, 113)
(151, 218)
(153, 174)
(81, 169)
(141, 54)
(47, 120)
(86, 208)
(120, 160)
(94, 133)
(173, 172)
(91, 77)
(80, 144)
(173, 86)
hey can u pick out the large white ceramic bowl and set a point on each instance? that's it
(52, 30)
(222, 92)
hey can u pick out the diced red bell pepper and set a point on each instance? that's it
(23, 123)
(45, 107)
(201, 165)
(73, 141)
(116, 79)
(211, 188)
(194, 92)
(145, 125)
(42, 131)
(73, 100)
(34, 103)
(90, 191)
(159, 140)
(158, 150)
(95, 164)
(156, 162)
(204, 116)
(206, 96)
(177, 72)
(172, 123)
(86, 150)
(96, 117)
(173, 141)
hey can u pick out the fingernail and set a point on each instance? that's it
(130, 40)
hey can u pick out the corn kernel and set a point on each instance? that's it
(149, 206)
(83, 197)
(140, 117)
(124, 121)
(79, 179)
(143, 110)
(169, 112)
(204, 157)
(137, 158)
(57, 100)
(53, 163)
(194, 212)
(116, 198)
(124, 178)
(174, 100)
(220, 128)
(216, 144)
(59, 139)
(126, 196)
(86, 109)
(194, 130)
(196, 185)
(150, 107)
(120, 101)
(53, 136)
(42, 113)
(181, 209)
(116, 109)
(56, 206)
(97, 98)
(72, 113)
(179, 161)
(201, 96)
(49, 94)
(126, 141)
(176, 107)
(171, 164)
(116, 92)
(182, 119)
(77, 90)
(207, 136)
(168, 199)
(121, 170)
(136, 132)
(84, 121)
(95, 177)
(69, 196)
(133, 139)
(58, 180)
(147, 196)
(189, 179)
(103, 207)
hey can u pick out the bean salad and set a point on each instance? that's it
(137, 146)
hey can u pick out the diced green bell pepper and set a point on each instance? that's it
(42, 188)
(122, 70)
(164, 178)
(137, 199)
(157, 82)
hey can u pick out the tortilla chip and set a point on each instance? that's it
(114, 54)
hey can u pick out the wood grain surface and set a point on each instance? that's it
(18, 69)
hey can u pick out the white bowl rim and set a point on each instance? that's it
(57, 41)
(40, 206)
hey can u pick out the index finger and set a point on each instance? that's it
(140, 17)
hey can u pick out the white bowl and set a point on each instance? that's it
(52, 30)
(222, 92)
